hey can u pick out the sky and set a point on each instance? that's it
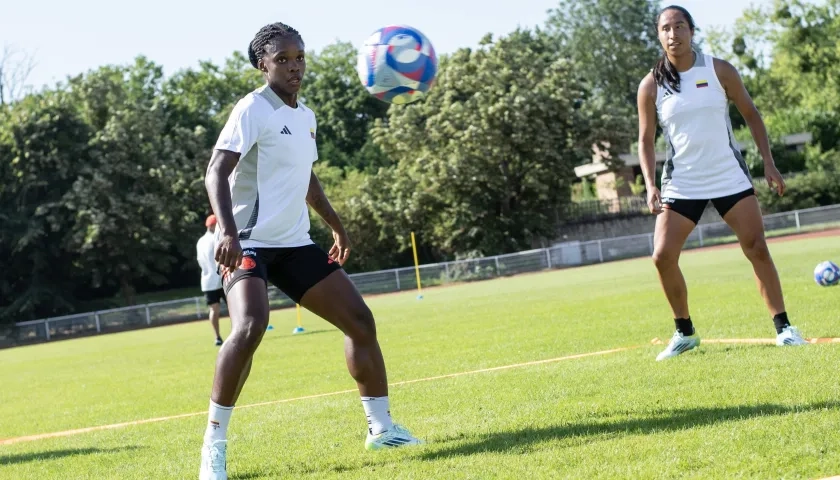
(67, 38)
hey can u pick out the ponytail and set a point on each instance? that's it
(665, 74)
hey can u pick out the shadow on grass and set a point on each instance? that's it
(273, 334)
(247, 475)
(297, 470)
(522, 440)
(56, 454)
(671, 421)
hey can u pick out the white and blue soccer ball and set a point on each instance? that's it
(827, 274)
(397, 64)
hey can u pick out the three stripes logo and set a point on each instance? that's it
(681, 347)
(285, 131)
(396, 441)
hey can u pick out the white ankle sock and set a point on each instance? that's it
(378, 414)
(217, 423)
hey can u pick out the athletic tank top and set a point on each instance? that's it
(702, 160)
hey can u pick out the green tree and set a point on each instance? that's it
(789, 59)
(486, 161)
(804, 191)
(612, 45)
(356, 196)
(206, 95)
(138, 198)
(42, 148)
(345, 110)
(806, 60)
(789, 52)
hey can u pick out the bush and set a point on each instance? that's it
(812, 189)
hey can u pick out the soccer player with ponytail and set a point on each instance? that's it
(689, 93)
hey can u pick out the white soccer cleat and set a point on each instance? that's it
(397, 436)
(214, 461)
(679, 344)
(790, 337)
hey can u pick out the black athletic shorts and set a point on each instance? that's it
(293, 270)
(215, 296)
(693, 209)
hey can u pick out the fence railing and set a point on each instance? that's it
(636, 205)
(563, 255)
(587, 210)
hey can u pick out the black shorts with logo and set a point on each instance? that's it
(215, 296)
(293, 270)
(693, 209)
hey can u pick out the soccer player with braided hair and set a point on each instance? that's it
(260, 181)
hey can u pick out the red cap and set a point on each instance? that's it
(211, 220)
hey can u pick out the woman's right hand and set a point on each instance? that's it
(228, 253)
(654, 200)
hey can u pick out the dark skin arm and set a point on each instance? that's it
(737, 93)
(317, 199)
(228, 251)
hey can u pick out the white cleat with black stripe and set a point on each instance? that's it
(397, 436)
(790, 337)
(679, 344)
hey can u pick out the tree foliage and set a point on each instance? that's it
(344, 109)
(102, 175)
(612, 44)
(791, 65)
(41, 158)
(487, 160)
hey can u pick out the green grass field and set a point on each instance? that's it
(723, 411)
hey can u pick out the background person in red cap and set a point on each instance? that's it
(211, 281)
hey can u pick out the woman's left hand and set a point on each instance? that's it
(774, 179)
(341, 248)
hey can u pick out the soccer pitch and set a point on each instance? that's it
(722, 411)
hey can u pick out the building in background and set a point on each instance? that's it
(616, 183)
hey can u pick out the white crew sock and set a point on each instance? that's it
(217, 423)
(378, 414)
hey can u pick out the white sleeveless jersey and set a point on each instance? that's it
(702, 160)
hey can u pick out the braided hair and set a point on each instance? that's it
(664, 71)
(265, 36)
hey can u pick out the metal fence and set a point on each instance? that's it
(636, 205)
(588, 210)
(563, 255)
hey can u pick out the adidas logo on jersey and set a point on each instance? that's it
(667, 93)
(285, 131)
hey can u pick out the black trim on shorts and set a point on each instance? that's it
(293, 270)
(215, 296)
(693, 209)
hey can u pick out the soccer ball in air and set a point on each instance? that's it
(397, 64)
(827, 274)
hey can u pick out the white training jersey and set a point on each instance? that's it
(702, 160)
(205, 253)
(268, 187)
